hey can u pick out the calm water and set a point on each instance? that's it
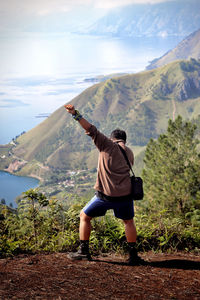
(40, 73)
(12, 186)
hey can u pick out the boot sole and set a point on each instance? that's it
(79, 257)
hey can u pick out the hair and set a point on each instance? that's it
(118, 134)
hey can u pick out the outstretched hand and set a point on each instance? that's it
(83, 122)
(70, 109)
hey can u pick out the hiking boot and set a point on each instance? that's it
(79, 255)
(83, 253)
(136, 261)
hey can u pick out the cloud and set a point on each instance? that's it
(44, 7)
(40, 7)
(12, 103)
(116, 3)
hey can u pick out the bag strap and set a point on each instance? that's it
(126, 158)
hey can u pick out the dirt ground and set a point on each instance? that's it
(54, 276)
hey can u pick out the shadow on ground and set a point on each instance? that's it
(169, 264)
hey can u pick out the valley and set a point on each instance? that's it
(141, 103)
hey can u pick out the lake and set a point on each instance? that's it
(12, 186)
(39, 72)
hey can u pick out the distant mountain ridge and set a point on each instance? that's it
(139, 103)
(171, 18)
(188, 48)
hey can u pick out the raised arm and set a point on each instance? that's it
(77, 116)
(102, 142)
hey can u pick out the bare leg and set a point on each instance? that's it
(131, 235)
(84, 233)
(130, 231)
(85, 227)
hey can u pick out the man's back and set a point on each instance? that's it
(113, 176)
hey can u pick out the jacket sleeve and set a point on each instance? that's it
(102, 142)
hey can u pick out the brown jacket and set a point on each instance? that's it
(113, 176)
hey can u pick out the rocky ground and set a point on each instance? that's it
(55, 276)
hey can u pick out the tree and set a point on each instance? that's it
(32, 203)
(172, 170)
(3, 201)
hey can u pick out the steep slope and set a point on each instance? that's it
(161, 19)
(188, 48)
(139, 103)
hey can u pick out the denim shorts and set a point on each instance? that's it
(97, 207)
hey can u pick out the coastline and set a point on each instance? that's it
(13, 185)
(23, 175)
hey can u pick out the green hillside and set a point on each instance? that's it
(188, 48)
(139, 103)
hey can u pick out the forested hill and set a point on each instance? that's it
(139, 103)
(188, 48)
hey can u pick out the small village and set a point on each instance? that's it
(73, 182)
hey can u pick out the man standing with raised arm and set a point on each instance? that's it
(113, 188)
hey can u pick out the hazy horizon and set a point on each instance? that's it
(44, 64)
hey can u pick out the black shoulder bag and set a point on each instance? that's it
(136, 182)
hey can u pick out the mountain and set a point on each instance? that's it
(188, 48)
(139, 103)
(171, 18)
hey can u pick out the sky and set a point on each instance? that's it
(43, 7)
(14, 14)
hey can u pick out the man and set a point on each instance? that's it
(113, 188)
